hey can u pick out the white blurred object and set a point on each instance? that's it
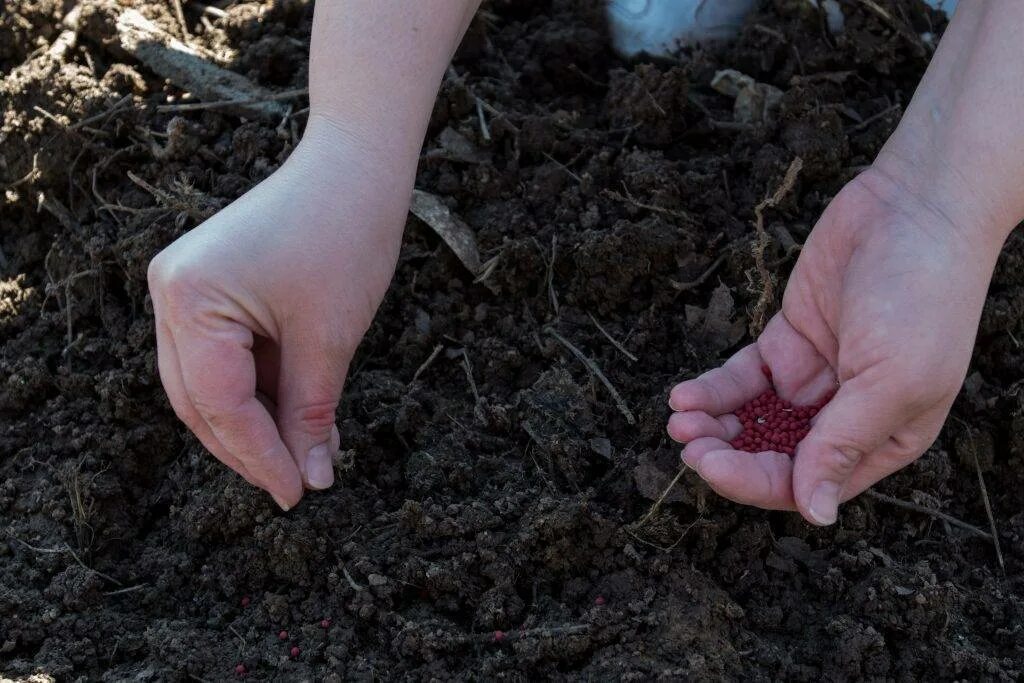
(947, 6)
(660, 27)
(833, 14)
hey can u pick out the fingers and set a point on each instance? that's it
(311, 379)
(693, 424)
(761, 479)
(170, 377)
(219, 377)
(801, 374)
(858, 421)
(724, 388)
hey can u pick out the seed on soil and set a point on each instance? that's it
(245, 601)
(295, 652)
(771, 423)
(325, 623)
(283, 635)
(240, 669)
(599, 600)
(499, 636)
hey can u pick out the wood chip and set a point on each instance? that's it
(191, 70)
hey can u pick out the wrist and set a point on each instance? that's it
(356, 181)
(339, 143)
(923, 177)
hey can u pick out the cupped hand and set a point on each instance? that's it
(882, 308)
(260, 309)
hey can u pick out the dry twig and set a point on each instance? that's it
(596, 371)
(227, 104)
(614, 341)
(468, 367)
(664, 494)
(988, 511)
(186, 66)
(426, 364)
(949, 519)
(181, 19)
(629, 199)
(692, 284)
(67, 549)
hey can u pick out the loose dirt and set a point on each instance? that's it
(618, 201)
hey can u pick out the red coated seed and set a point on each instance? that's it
(773, 424)
(325, 623)
(499, 636)
(245, 601)
(599, 600)
(240, 669)
(283, 635)
(295, 652)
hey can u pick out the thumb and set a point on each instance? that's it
(858, 420)
(311, 378)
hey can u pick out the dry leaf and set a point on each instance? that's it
(754, 102)
(456, 234)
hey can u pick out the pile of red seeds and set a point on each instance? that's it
(771, 423)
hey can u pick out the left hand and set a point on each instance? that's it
(882, 307)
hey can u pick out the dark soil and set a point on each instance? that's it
(126, 551)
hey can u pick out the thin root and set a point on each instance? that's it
(949, 519)
(766, 286)
(592, 366)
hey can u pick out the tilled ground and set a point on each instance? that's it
(612, 194)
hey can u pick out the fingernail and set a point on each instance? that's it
(824, 505)
(319, 468)
(688, 459)
(280, 502)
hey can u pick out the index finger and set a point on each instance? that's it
(725, 388)
(219, 374)
(170, 377)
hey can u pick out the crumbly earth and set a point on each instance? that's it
(612, 194)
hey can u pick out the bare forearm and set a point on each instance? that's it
(960, 144)
(375, 66)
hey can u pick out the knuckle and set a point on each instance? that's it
(712, 393)
(316, 417)
(217, 412)
(155, 271)
(177, 284)
(844, 458)
(261, 461)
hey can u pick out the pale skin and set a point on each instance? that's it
(260, 309)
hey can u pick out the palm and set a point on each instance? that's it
(874, 305)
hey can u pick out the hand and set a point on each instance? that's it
(882, 307)
(260, 309)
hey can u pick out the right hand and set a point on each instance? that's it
(259, 310)
(882, 309)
